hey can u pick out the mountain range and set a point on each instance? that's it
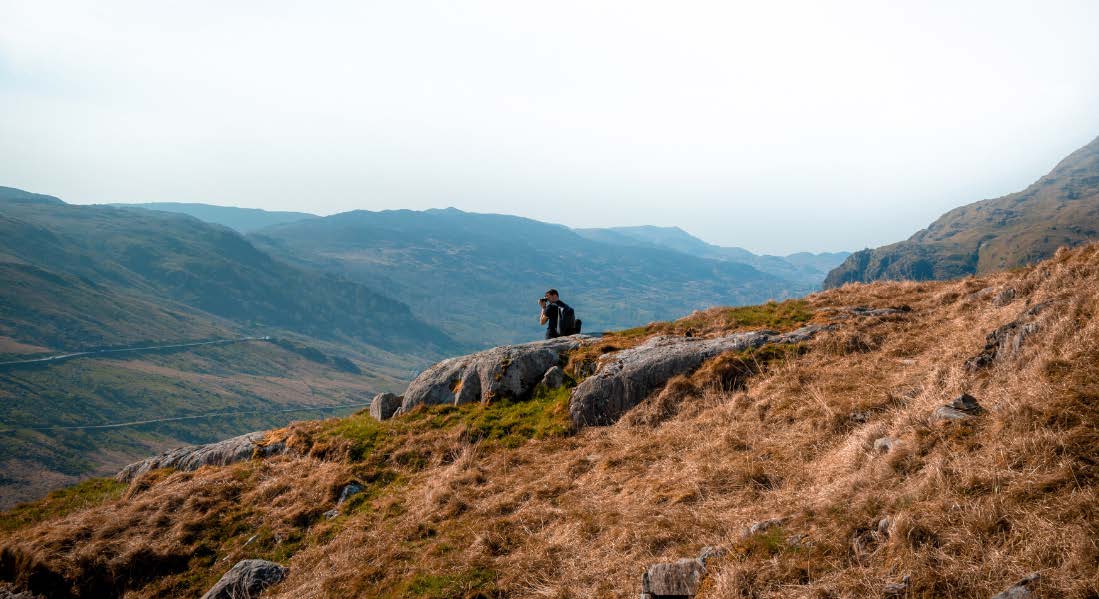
(1059, 209)
(463, 272)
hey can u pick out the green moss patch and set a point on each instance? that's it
(61, 502)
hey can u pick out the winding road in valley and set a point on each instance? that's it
(104, 352)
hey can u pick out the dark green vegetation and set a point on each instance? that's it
(1060, 209)
(243, 220)
(803, 267)
(477, 276)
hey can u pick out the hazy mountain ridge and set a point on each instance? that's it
(1059, 209)
(478, 275)
(242, 220)
(802, 267)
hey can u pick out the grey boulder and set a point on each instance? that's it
(193, 457)
(1023, 589)
(247, 579)
(554, 378)
(677, 579)
(510, 371)
(963, 407)
(626, 378)
(1008, 339)
(384, 405)
(885, 444)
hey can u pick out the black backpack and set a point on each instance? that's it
(567, 323)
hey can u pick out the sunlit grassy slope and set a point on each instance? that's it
(504, 500)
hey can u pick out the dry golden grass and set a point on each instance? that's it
(971, 506)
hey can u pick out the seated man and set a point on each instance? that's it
(552, 308)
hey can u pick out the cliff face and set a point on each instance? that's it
(924, 439)
(1060, 209)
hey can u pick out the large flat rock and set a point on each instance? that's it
(508, 371)
(193, 457)
(626, 378)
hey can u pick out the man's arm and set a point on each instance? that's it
(543, 319)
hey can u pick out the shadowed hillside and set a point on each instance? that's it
(86, 276)
(933, 437)
(1060, 209)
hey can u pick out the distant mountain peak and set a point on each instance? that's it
(1059, 209)
(12, 194)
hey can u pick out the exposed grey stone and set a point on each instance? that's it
(507, 371)
(885, 444)
(332, 513)
(677, 579)
(865, 311)
(1004, 297)
(1023, 589)
(554, 378)
(898, 589)
(193, 457)
(885, 525)
(761, 526)
(349, 491)
(947, 413)
(709, 553)
(1008, 339)
(247, 579)
(625, 378)
(384, 405)
(966, 403)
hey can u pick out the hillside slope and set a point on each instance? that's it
(86, 276)
(199, 395)
(1060, 209)
(840, 448)
(478, 276)
(78, 278)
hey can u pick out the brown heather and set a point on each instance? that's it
(974, 505)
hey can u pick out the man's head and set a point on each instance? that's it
(552, 296)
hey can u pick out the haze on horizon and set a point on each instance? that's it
(779, 128)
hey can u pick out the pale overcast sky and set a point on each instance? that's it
(777, 126)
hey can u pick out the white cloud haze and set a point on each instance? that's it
(777, 126)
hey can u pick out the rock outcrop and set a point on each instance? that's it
(508, 371)
(963, 407)
(384, 405)
(247, 579)
(554, 378)
(1023, 589)
(1008, 339)
(625, 378)
(194, 457)
(677, 579)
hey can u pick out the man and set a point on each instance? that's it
(551, 312)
